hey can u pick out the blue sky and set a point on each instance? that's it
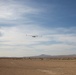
(54, 21)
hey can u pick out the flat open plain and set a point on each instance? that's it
(37, 67)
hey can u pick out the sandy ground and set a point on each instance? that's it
(37, 67)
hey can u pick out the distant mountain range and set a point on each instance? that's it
(55, 56)
(46, 56)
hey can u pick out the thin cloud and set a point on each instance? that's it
(14, 10)
(15, 38)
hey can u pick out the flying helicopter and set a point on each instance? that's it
(34, 36)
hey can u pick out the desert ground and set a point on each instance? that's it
(37, 67)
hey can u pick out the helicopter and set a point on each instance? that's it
(34, 36)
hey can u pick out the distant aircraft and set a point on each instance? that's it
(34, 36)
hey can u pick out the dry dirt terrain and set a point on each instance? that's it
(37, 67)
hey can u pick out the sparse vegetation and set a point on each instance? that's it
(38, 66)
